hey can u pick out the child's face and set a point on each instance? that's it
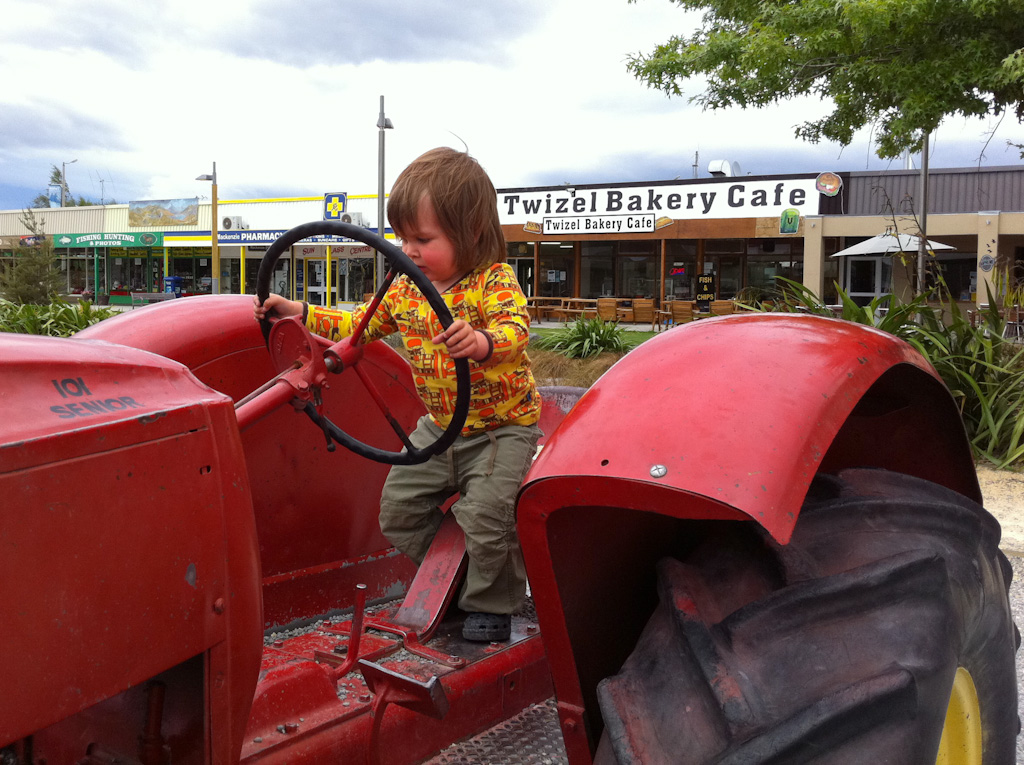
(429, 247)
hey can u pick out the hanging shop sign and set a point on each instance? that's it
(335, 205)
(644, 208)
(240, 237)
(143, 239)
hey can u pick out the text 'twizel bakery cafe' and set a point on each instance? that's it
(652, 239)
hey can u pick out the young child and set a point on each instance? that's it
(444, 208)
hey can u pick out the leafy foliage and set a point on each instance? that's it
(56, 179)
(585, 338)
(57, 319)
(32, 276)
(983, 370)
(901, 65)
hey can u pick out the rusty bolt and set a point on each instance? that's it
(218, 606)
(531, 628)
(288, 727)
(569, 725)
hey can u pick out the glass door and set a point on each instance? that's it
(316, 281)
(867, 277)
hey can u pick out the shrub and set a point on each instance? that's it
(57, 319)
(585, 338)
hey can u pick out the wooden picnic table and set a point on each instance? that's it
(540, 308)
(561, 308)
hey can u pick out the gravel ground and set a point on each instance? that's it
(1004, 498)
(1017, 606)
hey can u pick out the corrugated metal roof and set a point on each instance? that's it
(950, 190)
(66, 220)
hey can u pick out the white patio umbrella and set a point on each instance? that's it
(887, 243)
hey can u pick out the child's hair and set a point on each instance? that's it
(464, 200)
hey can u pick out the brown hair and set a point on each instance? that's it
(464, 200)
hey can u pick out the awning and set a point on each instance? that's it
(888, 243)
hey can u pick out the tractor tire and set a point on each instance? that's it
(887, 611)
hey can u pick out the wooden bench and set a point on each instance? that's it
(142, 298)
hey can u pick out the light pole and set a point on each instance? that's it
(64, 181)
(383, 123)
(214, 248)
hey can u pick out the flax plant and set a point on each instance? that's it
(56, 319)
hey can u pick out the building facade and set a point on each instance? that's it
(629, 240)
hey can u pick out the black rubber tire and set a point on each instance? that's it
(840, 647)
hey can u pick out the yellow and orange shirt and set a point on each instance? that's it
(489, 299)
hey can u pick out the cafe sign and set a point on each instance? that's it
(143, 239)
(646, 207)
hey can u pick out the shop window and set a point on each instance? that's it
(597, 270)
(556, 270)
(638, 276)
(725, 246)
(958, 271)
(728, 276)
(761, 273)
(681, 270)
(127, 272)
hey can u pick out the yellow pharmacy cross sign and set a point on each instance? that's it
(335, 205)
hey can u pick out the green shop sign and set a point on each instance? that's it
(144, 239)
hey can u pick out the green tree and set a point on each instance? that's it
(43, 200)
(900, 65)
(32, 276)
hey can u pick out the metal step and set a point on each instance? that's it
(532, 737)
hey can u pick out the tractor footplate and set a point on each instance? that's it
(532, 737)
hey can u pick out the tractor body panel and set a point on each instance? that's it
(128, 546)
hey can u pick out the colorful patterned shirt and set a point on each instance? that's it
(489, 299)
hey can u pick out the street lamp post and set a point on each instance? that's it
(383, 123)
(214, 246)
(64, 181)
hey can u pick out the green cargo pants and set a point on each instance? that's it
(487, 470)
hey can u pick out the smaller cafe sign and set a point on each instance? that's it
(143, 239)
(599, 224)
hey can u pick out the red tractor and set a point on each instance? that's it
(757, 539)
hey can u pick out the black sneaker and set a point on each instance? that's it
(487, 628)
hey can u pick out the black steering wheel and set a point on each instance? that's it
(346, 353)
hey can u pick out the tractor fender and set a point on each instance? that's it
(734, 416)
(715, 423)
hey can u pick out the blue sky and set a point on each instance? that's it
(284, 96)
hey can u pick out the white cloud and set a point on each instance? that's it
(284, 97)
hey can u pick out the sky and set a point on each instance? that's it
(284, 95)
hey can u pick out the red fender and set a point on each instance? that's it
(726, 419)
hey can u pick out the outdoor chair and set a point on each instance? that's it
(644, 311)
(682, 311)
(722, 307)
(606, 309)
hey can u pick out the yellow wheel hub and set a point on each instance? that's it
(961, 735)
